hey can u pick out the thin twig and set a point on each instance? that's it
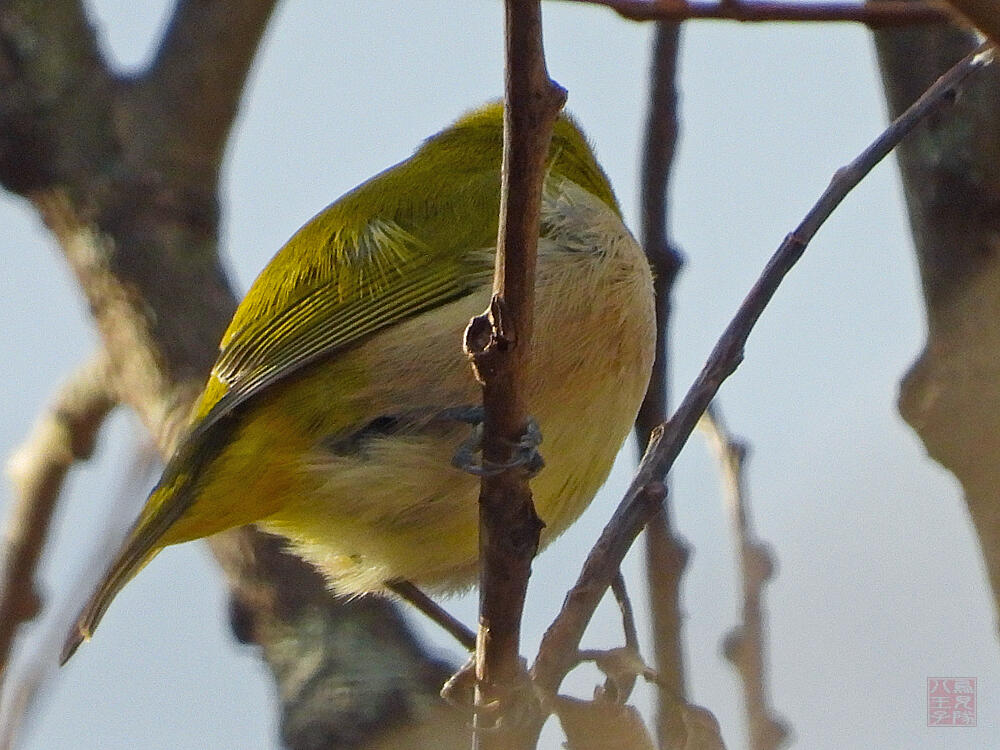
(881, 13)
(65, 433)
(498, 343)
(744, 645)
(618, 686)
(625, 606)
(557, 652)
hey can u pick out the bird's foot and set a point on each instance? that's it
(524, 452)
(518, 703)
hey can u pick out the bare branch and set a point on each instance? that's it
(434, 612)
(498, 343)
(65, 433)
(882, 13)
(744, 646)
(560, 643)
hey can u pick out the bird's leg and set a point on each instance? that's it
(458, 690)
(525, 450)
(410, 593)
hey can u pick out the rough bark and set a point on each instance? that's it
(951, 175)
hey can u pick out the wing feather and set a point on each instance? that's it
(386, 276)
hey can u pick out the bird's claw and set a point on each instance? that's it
(524, 452)
(495, 715)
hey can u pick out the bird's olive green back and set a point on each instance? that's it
(410, 239)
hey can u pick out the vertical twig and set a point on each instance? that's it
(499, 343)
(744, 645)
(666, 553)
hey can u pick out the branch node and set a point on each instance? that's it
(759, 561)
(487, 338)
(734, 645)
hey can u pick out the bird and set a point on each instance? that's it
(341, 394)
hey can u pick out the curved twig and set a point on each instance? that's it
(557, 652)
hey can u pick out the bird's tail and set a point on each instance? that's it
(165, 505)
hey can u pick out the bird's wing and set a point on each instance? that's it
(298, 312)
(328, 288)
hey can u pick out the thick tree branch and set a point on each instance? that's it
(65, 433)
(170, 98)
(557, 653)
(882, 13)
(138, 226)
(951, 177)
(55, 95)
(499, 343)
(371, 685)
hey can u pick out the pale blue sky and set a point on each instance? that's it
(880, 583)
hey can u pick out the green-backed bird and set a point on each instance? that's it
(341, 393)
